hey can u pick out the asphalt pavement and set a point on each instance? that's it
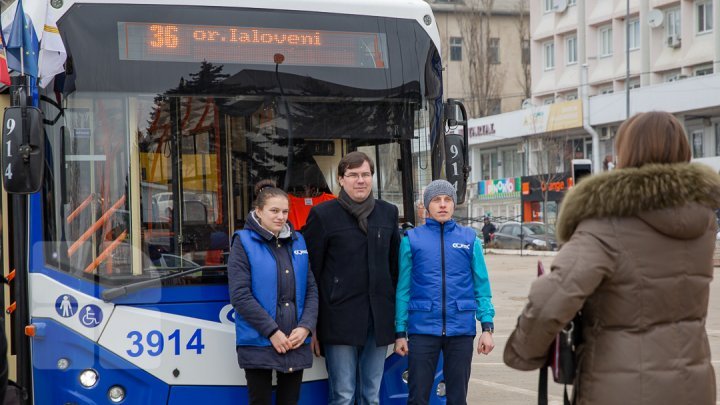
(491, 382)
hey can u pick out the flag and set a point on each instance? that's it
(23, 39)
(52, 49)
(4, 73)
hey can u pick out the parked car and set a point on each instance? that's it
(529, 235)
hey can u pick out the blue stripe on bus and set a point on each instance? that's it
(209, 311)
(152, 295)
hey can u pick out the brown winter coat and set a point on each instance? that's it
(638, 261)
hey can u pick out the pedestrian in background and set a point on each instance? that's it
(637, 259)
(443, 288)
(275, 299)
(488, 230)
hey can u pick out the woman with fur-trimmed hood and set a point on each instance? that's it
(637, 259)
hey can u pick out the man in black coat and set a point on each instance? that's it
(353, 245)
(488, 230)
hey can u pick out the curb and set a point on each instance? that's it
(516, 252)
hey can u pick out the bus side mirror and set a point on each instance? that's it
(580, 169)
(23, 154)
(453, 115)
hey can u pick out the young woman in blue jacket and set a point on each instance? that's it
(275, 299)
(443, 288)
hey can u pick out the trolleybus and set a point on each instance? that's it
(166, 116)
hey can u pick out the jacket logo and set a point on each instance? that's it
(461, 246)
(300, 252)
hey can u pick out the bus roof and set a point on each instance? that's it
(406, 9)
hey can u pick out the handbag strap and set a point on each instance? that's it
(543, 389)
(543, 386)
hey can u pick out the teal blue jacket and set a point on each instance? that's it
(485, 312)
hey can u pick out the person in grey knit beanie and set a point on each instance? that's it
(436, 188)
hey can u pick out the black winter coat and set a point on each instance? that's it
(356, 273)
(245, 304)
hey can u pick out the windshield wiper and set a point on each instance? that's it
(113, 293)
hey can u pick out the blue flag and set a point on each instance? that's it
(22, 39)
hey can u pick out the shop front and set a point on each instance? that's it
(498, 199)
(541, 196)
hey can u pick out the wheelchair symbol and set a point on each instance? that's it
(90, 316)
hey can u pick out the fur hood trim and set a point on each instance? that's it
(631, 191)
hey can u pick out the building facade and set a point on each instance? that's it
(483, 46)
(671, 46)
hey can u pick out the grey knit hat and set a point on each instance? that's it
(436, 188)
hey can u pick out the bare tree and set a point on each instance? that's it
(484, 76)
(551, 151)
(523, 29)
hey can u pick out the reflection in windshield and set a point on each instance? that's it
(168, 197)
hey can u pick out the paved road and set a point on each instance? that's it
(491, 381)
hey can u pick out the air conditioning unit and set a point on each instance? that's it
(606, 133)
(673, 41)
(560, 6)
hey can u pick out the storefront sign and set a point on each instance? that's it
(533, 187)
(502, 188)
(484, 129)
(534, 120)
(565, 116)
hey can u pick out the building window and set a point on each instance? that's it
(571, 50)
(571, 96)
(634, 83)
(549, 48)
(672, 18)
(697, 143)
(489, 166)
(513, 162)
(549, 100)
(525, 49)
(704, 16)
(633, 34)
(572, 2)
(672, 76)
(456, 48)
(494, 106)
(606, 45)
(549, 6)
(703, 70)
(606, 90)
(494, 51)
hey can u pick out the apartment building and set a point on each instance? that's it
(666, 52)
(483, 47)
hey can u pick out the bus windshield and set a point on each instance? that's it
(154, 150)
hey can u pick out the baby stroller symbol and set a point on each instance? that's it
(90, 316)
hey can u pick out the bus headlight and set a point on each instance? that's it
(441, 389)
(88, 378)
(116, 394)
(63, 363)
(404, 376)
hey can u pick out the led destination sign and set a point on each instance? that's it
(248, 45)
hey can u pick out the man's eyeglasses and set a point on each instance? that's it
(355, 176)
